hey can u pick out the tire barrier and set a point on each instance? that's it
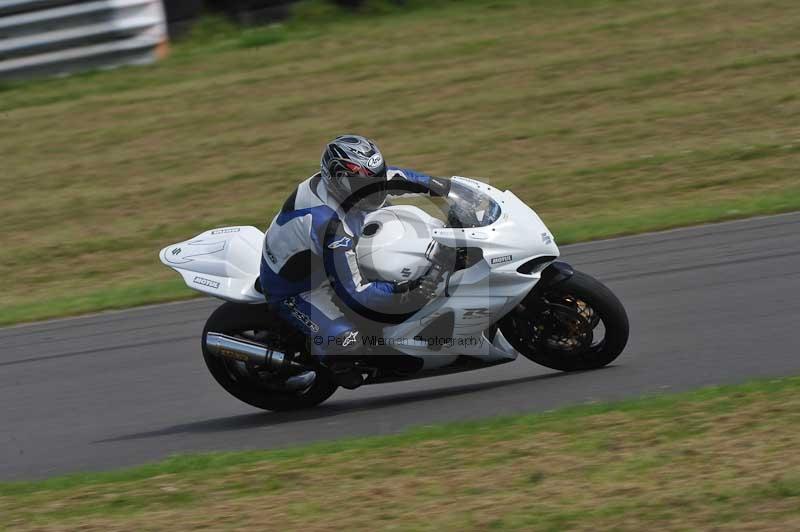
(56, 37)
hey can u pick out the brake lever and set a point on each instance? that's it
(442, 259)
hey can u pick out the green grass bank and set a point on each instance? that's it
(718, 458)
(608, 117)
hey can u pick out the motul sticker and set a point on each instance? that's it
(501, 260)
(206, 282)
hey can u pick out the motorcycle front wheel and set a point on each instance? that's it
(252, 322)
(578, 324)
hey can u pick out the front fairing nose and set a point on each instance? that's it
(522, 229)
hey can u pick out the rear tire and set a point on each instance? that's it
(232, 319)
(532, 327)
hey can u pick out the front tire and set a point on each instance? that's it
(558, 327)
(240, 320)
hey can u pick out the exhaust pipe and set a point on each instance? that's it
(251, 352)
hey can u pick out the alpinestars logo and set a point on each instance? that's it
(351, 338)
(343, 242)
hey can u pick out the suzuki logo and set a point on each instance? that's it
(475, 313)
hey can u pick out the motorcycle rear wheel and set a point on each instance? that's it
(237, 320)
(558, 328)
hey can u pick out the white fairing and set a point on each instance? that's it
(393, 243)
(481, 295)
(222, 262)
(225, 263)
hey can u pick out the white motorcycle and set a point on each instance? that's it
(501, 294)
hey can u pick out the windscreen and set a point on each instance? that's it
(470, 207)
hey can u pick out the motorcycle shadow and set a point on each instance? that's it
(336, 408)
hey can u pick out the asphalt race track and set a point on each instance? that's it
(708, 305)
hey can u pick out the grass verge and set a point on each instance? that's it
(718, 457)
(608, 117)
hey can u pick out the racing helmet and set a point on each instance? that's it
(354, 171)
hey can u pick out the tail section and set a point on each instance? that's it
(222, 262)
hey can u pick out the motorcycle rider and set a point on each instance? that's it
(309, 272)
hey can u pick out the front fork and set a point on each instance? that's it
(554, 274)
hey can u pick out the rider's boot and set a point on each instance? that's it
(350, 379)
(344, 373)
(302, 381)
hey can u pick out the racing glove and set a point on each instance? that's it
(416, 293)
(439, 187)
(424, 289)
